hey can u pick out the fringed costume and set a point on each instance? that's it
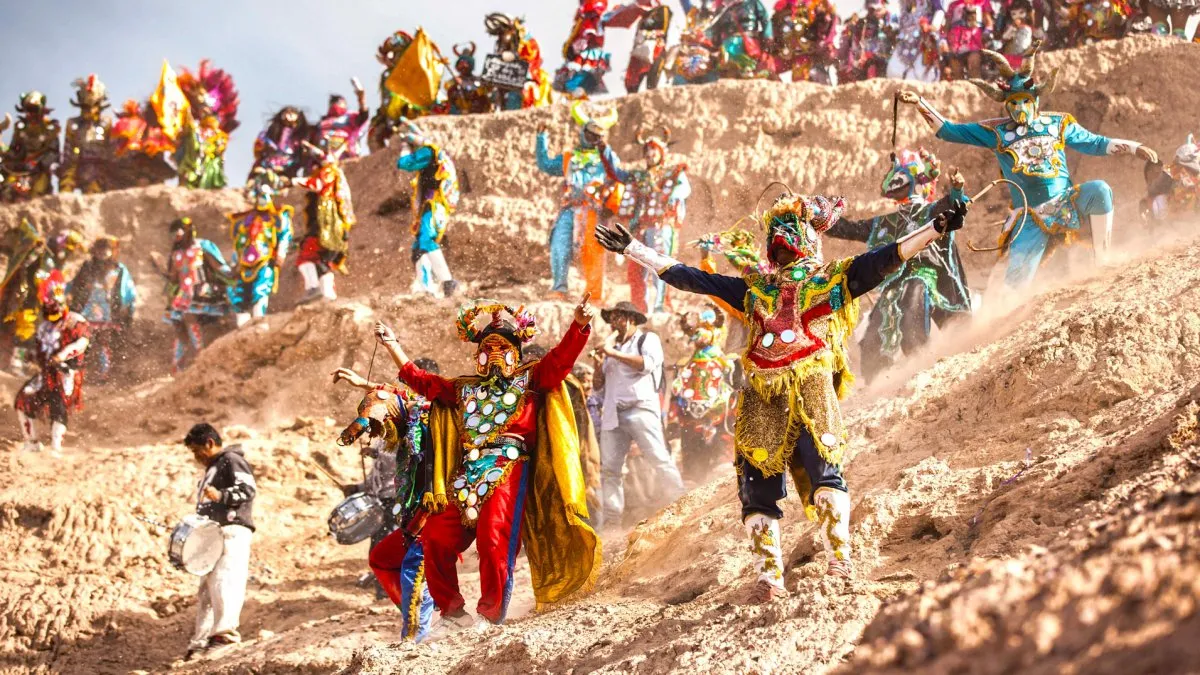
(648, 58)
(584, 60)
(329, 212)
(1173, 192)
(653, 207)
(28, 163)
(87, 141)
(104, 292)
(506, 469)
(261, 239)
(1049, 210)
(434, 198)
(930, 288)
(61, 342)
(701, 395)
(197, 290)
(211, 117)
(588, 198)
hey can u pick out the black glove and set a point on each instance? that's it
(615, 239)
(949, 221)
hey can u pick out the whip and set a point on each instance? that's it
(1011, 235)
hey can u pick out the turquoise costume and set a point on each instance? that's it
(1048, 207)
(261, 238)
(435, 196)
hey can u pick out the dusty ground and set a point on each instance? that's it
(1025, 496)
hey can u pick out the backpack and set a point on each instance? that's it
(657, 374)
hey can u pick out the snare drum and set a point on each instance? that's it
(356, 518)
(196, 545)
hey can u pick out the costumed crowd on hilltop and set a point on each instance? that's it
(531, 451)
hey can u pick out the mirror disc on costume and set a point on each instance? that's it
(381, 395)
(397, 509)
(712, 391)
(471, 406)
(759, 455)
(488, 409)
(512, 452)
(485, 427)
(502, 418)
(828, 439)
(788, 336)
(799, 273)
(481, 489)
(472, 499)
(688, 393)
(716, 372)
(460, 483)
(473, 421)
(473, 454)
(686, 373)
(768, 339)
(509, 399)
(472, 513)
(481, 391)
(493, 475)
(462, 495)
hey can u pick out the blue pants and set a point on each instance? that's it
(245, 295)
(433, 224)
(562, 236)
(1029, 247)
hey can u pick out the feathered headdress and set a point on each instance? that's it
(523, 329)
(919, 170)
(1019, 81)
(819, 211)
(211, 91)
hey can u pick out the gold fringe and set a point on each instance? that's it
(414, 605)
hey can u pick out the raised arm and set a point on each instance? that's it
(851, 230)
(618, 240)
(1081, 140)
(432, 387)
(553, 368)
(415, 160)
(548, 165)
(612, 164)
(951, 132)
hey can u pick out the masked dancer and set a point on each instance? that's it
(329, 212)
(800, 315)
(261, 239)
(434, 198)
(931, 287)
(105, 294)
(588, 196)
(61, 341)
(197, 282)
(28, 163)
(1173, 192)
(1049, 210)
(506, 468)
(279, 148)
(87, 142)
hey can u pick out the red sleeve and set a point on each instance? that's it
(432, 387)
(556, 365)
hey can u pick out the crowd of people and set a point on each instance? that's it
(532, 451)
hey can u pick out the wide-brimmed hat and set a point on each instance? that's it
(623, 307)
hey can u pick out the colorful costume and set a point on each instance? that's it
(868, 43)
(700, 396)
(694, 59)
(57, 388)
(646, 61)
(929, 288)
(103, 290)
(87, 142)
(341, 127)
(261, 238)
(968, 25)
(1174, 192)
(917, 52)
(29, 161)
(1048, 209)
(806, 36)
(506, 469)
(213, 104)
(653, 207)
(397, 421)
(515, 44)
(280, 147)
(31, 259)
(800, 315)
(743, 33)
(197, 282)
(329, 212)
(467, 93)
(584, 60)
(434, 198)
(587, 198)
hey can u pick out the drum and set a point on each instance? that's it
(356, 518)
(196, 545)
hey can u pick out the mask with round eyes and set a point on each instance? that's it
(496, 356)
(1021, 107)
(800, 238)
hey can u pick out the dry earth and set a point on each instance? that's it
(1026, 497)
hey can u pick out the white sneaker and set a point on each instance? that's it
(31, 446)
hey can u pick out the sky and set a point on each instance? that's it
(280, 52)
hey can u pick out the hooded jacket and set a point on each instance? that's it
(230, 474)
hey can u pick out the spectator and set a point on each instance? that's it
(630, 372)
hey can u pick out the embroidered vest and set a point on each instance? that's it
(488, 453)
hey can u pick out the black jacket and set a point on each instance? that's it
(231, 475)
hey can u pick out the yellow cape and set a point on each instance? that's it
(563, 550)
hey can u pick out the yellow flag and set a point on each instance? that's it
(417, 75)
(169, 102)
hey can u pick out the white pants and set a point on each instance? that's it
(223, 590)
(432, 273)
(643, 426)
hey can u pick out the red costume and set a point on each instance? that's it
(497, 418)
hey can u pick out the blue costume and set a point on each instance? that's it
(434, 198)
(261, 237)
(103, 290)
(1031, 148)
(587, 196)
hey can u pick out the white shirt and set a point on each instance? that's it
(627, 387)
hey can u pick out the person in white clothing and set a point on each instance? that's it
(630, 371)
(224, 495)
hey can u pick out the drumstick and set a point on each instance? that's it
(324, 471)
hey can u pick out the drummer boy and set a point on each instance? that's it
(224, 495)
